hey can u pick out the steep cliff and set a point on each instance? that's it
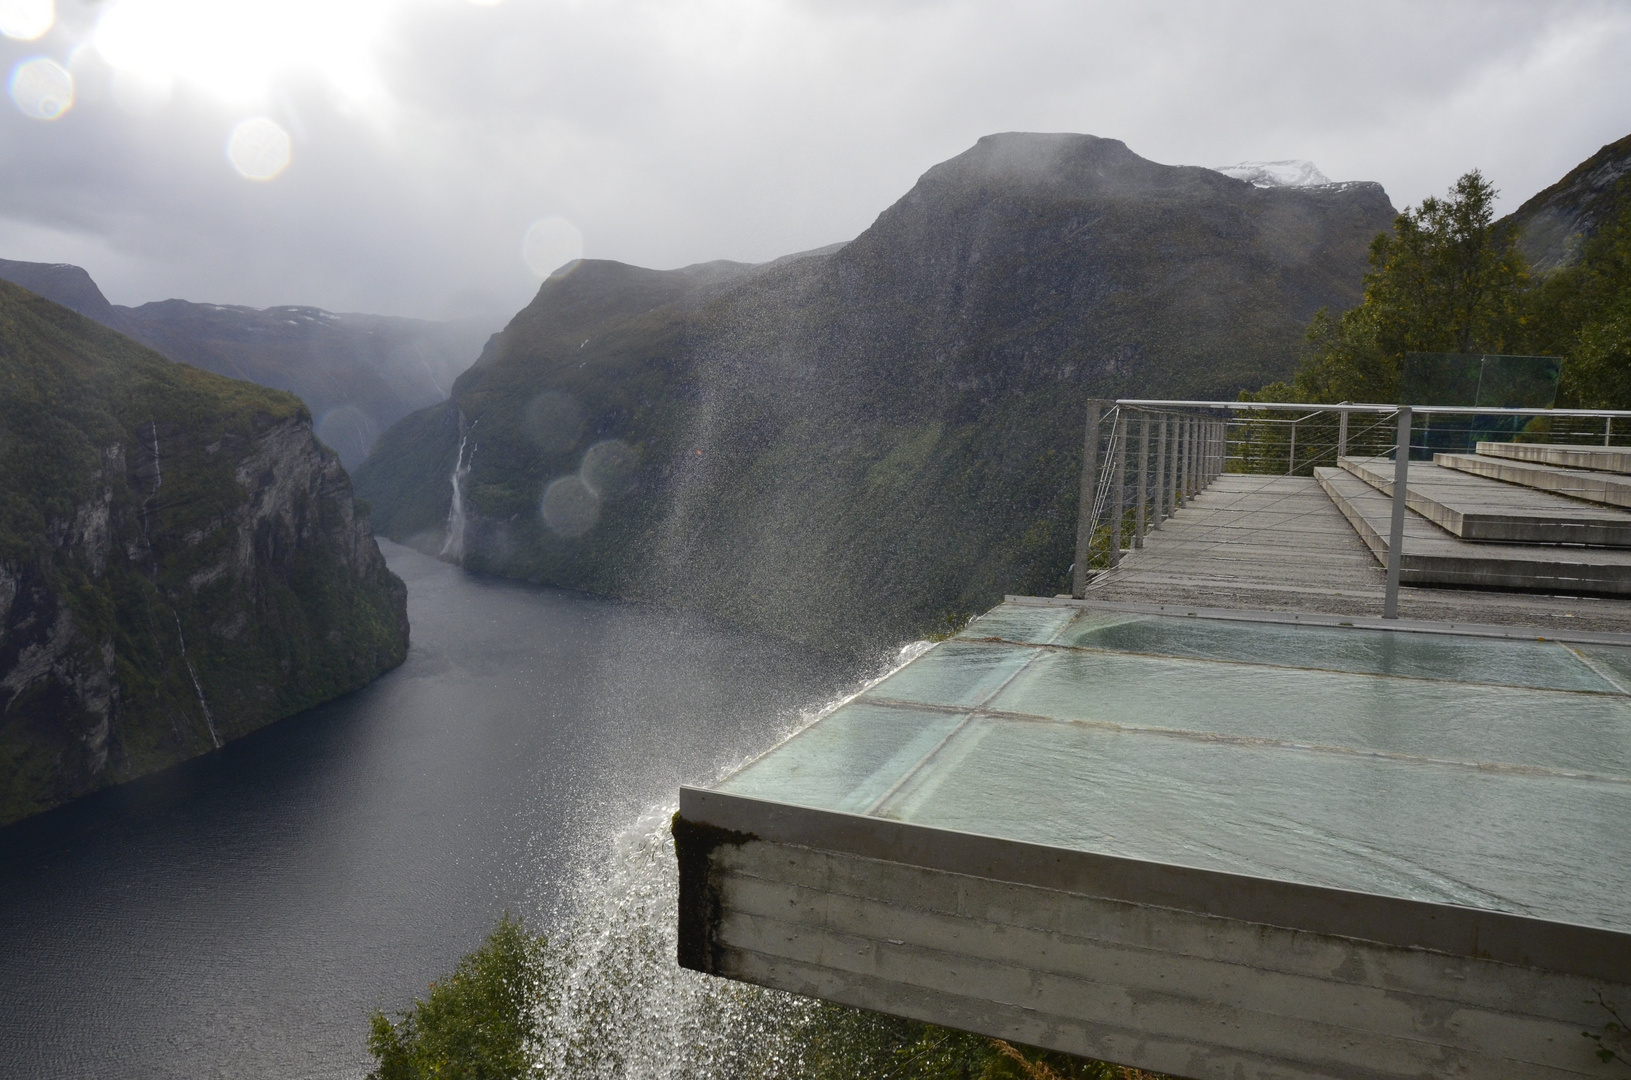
(857, 442)
(181, 561)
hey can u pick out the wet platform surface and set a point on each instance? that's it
(1452, 768)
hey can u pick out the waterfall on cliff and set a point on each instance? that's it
(453, 546)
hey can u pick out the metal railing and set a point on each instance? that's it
(1145, 459)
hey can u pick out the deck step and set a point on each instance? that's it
(1587, 485)
(1614, 459)
(1481, 509)
(1433, 557)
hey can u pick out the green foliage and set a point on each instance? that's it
(1584, 312)
(473, 1025)
(1444, 280)
(483, 1021)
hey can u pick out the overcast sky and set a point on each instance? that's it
(425, 137)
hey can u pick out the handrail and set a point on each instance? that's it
(1370, 407)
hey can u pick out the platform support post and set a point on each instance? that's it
(1141, 513)
(1118, 483)
(1395, 543)
(1084, 508)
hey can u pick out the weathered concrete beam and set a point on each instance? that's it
(1186, 971)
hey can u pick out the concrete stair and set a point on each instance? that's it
(1613, 459)
(1589, 485)
(1470, 506)
(1434, 556)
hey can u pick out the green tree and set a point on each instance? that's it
(1584, 312)
(1444, 280)
(474, 1025)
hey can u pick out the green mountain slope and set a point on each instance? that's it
(181, 561)
(1554, 224)
(850, 445)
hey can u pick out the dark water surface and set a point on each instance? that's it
(240, 915)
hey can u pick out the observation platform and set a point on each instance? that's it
(1211, 843)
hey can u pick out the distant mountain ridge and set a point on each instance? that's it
(846, 445)
(357, 373)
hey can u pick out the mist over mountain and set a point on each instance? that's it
(181, 562)
(357, 373)
(1554, 223)
(851, 444)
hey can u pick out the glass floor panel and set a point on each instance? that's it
(1488, 772)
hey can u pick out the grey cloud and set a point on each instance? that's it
(683, 132)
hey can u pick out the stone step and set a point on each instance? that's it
(1488, 511)
(1588, 485)
(1614, 459)
(1432, 556)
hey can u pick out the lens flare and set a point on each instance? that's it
(25, 20)
(551, 244)
(569, 508)
(42, 88)
(258, 148)
(609, 468)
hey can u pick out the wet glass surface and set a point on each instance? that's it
(1487, 772)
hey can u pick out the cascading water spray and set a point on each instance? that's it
(615, 1004)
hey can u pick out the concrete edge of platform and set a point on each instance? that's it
(1524, 941)
(1364, 622)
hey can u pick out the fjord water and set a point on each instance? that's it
(240, 915)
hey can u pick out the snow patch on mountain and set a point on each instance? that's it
(1266, 174)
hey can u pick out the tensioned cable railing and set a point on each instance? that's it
(1145, 459)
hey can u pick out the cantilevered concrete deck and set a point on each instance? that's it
(1225, 844)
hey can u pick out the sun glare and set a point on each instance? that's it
(26, 20)
(235, 51)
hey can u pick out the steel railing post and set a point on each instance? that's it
(1395, 543)
(1160, 508)
(1140, 512)
(1118, 484)
(1084, 508)
(1342, 434)
(1181, 488)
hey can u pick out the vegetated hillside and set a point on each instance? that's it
(358, 374)
(1554, 224)
(181, 561)
(848, 446)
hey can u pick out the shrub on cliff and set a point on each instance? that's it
(474, 1024)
